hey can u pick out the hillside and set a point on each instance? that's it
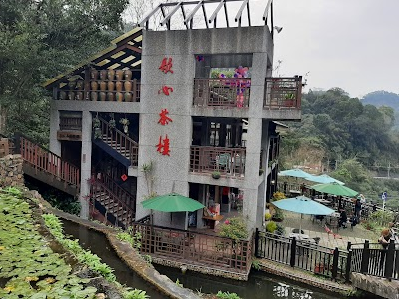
(384, 98)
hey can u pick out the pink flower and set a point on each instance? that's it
(227, 222)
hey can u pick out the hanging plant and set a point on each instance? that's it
(112, 124)
(125, 122)
(97, 133)
(96, 122)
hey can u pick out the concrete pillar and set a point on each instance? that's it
(55, 145)
(85, 167)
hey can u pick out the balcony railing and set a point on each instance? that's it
(104, 85)
(70, 124)
(224, 92)
(227, 161)
(283, 93)
(195, 248)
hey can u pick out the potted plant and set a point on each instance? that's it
(289, 100)
(216, 175)
(261, 171)
(278, 215)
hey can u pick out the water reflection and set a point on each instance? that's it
(98, 244)
(259, 286)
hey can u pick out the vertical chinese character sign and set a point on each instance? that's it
(163, 146)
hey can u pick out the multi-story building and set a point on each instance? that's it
(158, 112)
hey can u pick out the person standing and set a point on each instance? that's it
(358, 208)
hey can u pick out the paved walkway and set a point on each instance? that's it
(314, 229)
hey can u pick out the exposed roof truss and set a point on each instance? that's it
(168, 10)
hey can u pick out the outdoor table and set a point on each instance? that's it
(295, 192)
(212, 220)
(299, 237)
(322, 201)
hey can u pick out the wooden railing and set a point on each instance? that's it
(307, 256)
(43, 160)
(124, 214)
(70, 124)
(195, 248)
(283, 93)
(227, 161)
(224, 92)
(118, 191)
(374, 260)
(120, 142)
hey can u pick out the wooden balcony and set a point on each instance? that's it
(224, 93)
(104, 85)
(228, 161)
(283, 93)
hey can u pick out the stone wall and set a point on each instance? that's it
(11, 173)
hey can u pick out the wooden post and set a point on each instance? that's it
(293, 251)
(256, 242)
(388, 271)
(365, 258)
(334, 270)
(348, 266)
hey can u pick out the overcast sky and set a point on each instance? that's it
(352, 44)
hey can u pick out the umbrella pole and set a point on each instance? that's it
(186, 222)
(152, 218)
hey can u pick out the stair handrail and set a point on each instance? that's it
(52, 163)
(105, 189)
(110, 183)
(119, 132)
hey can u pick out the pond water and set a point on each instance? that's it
(259, 285)
(98, 244)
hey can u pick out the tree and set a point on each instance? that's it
(40, 39)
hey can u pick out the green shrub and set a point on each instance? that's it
(234, 228)
(280, 230)
(278, 215)
(227, 295)
(135, 294)
(271, 227)
(268, 216)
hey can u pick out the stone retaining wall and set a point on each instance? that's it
(11, 173)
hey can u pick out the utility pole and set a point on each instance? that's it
(388, 168)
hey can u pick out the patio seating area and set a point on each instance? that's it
(316, 229)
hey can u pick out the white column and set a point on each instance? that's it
(85, 166)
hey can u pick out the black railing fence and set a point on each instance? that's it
(337, 264)
(303, 255)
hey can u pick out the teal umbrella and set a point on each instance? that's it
(297, 173)
(173, 202)
(303, 205)
(335, 189)
(323, 179)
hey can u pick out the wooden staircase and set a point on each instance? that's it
(46, 166)
(117, 144)
(118, 205)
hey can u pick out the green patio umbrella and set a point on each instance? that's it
(335, 189)
(173, 202)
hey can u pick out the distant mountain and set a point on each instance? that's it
(382, 98)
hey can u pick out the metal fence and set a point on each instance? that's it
(307, 256)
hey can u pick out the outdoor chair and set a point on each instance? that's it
(329, 231)
(296, 231)
(224, 161)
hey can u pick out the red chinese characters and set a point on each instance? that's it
(165, 90)
(166, 65)
(163, 146)
(164, 119)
